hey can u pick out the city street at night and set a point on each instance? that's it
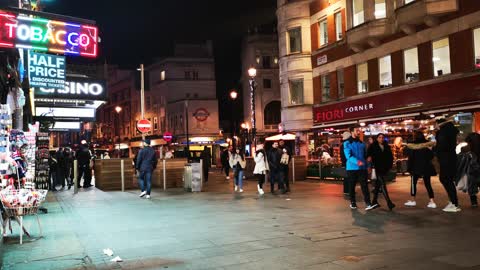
(312, 228)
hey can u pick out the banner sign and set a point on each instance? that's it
(65, 114)
(65, 126)
(46, 70)
(76, 88)
(17, 31)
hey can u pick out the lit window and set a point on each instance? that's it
(476, 39)
(385, 70)
(358, 12)
(410, 63)
(323, 33)
(162, 75)
(441, 57)
(296, 92)
(295, 40)
(338, 26)
(325, 88)
(362, 78)
(341, 84)
(380, 9)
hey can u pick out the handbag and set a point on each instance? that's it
(374, 174)
(462, 184)
(243, 163)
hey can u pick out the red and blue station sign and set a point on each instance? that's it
(44, 35)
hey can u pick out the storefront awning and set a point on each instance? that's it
(285, 137)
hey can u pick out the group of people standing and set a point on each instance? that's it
(422, 155)
(273, 163)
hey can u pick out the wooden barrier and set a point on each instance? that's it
(300, 165)
(108, 174)
(174, 173)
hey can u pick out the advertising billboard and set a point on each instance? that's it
(46, 70)
(44, 35)
(65, 126)
(76, 88)
(64, 114)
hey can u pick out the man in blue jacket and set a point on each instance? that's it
(355, 153)
(146, 163)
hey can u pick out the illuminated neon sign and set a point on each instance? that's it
(45, 35)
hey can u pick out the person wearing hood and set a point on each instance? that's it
(419, 166)
(261, 167)
(445, 150)
(469, 165)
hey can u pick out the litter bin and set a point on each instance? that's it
(193, 177)
(187, 177)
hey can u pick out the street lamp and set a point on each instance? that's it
(252, 72)
(233, 97)
(118, 109)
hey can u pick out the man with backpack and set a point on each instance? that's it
(146, 163)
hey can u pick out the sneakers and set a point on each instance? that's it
(236, 188)
(228, 177)
(432, 205)
(451, 208)
(411, 203)
(370, 207)
(375, 205)
(240, 190)
(142, 194)
(148, 197)
(353, 205)
(260, 190)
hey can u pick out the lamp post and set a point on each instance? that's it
(233, 97)
(252, 72)
(118, 109)
(142, 93)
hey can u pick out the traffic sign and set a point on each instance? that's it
(167, 136)
(144, 126)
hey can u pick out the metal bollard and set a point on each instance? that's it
(75, 177)
(293, 169)
(122, 171)
(164, 175)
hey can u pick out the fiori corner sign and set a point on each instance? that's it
(47, 71)
(17, 31)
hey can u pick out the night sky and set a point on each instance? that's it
(133, 32)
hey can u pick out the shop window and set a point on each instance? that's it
(267, 83)
(338, 26)
(272, 113)
(358, 12)
(341, 83)
(385, 71)
(380, 9)
(441, 57)
(296, 92)
(323, 33)
(295, 40)
(267, 61)
(325, 88)
(362, 78)
(476, 39)
(410, 64)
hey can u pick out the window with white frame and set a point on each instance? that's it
(162, 75)
(295, 40)
(358, 12)
(323, 32)
(380, 9)
(296, 92)
(410, 64)
(325, 87)
(476, 44)
(362, 78)
(441, 57)
(341, 83)
(385, 71)
(338, 26)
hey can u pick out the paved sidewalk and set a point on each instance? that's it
(312, 228)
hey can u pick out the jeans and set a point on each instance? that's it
(426, 181)
(238, 178)
(359, 176)
(145, 176)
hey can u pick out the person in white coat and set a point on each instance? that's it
(261, 167)
(238, 164)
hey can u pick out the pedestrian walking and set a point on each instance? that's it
(420, 165)
(445, 151)
(355, 153)
(381, 158)
(68, 155)
(85, 163)
(286, 156)
(145, 164)
(206, 162)
(226, 153)
(261, 167)
(61, 167)
(274, 156)
(238, 164)
(346, 187)
(468, 167)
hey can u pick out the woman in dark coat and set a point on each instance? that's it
(381, 157)
(420, 165)
(473, 148)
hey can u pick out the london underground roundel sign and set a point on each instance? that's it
(144, 126)
(167, 136)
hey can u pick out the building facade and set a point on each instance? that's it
(384, 60)
(260, 51)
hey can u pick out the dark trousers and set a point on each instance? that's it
(346, 185)
(205, 173)
(52, 180)
(276, 176)
(380, 184)
(286, 179)
(361, 177)
(85, 172)
(449, 186)
(261, 180)
(226, 168)
(428, 185)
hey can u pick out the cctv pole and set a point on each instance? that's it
(142, 94)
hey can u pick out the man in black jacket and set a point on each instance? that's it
(285, 171)
(224, 158)
(84, 156)
(276, 174)
(146, 163)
